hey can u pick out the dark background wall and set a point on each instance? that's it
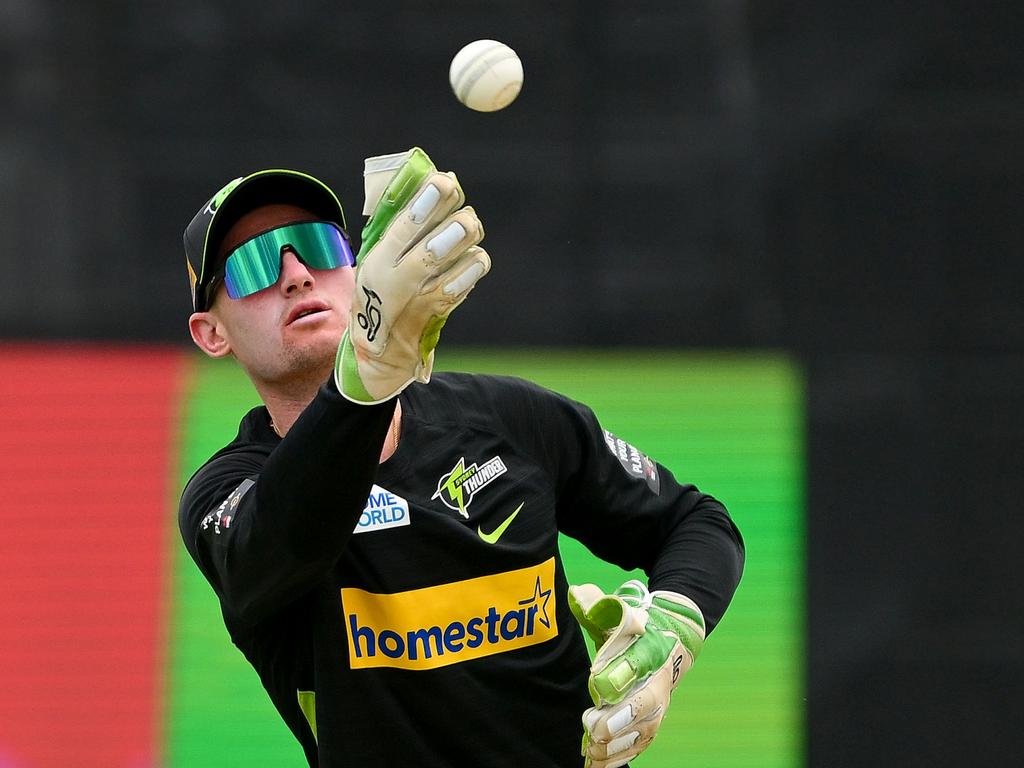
(839, 179)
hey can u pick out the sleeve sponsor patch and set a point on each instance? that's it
(633, 461)
(220, 519)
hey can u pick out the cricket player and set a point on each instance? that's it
(384, 542)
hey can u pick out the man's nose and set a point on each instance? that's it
(294, 274)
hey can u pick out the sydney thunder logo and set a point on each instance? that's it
(456, 488)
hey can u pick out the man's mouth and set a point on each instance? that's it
(306, 310)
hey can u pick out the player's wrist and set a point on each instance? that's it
(366, 381)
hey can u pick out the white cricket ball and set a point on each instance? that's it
(486, 75)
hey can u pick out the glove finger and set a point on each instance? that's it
(593, 608)
(614, 626)
(623, 747)
(616, 761)
(439, 251)
(618, 758)
(451, 237)
(643, 704)
(392, 234)
(437, 197)
(615, 752)
(462, 276)
(582, 598)
(450, 288)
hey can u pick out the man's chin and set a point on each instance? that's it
(316, 354)
(311, 355)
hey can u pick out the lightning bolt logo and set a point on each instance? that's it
(457, 487)
(451, 486)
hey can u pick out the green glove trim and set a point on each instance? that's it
(397, 195)
(431, 335)
(346, 373)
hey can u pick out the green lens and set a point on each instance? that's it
(256, 263)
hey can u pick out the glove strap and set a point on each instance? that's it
(670, 611)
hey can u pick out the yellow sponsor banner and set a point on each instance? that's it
(451, 623)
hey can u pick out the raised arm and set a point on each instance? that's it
(266, 522)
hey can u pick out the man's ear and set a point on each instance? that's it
(208, 335)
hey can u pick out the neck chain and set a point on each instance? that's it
(396, 421)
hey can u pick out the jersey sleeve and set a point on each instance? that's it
(630, 510)
(265, 523)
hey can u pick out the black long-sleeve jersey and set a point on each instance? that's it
(415, 610)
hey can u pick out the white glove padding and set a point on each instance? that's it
(417, 262)
(645, 642)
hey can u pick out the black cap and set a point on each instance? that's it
(205, 232)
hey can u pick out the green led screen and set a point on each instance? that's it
(729, 423)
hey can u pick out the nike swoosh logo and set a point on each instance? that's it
(494, 535)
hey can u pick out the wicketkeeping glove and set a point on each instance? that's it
(645, 642)
(417, 262)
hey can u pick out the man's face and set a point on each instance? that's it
(294, 326)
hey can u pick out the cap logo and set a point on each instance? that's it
(216, 200)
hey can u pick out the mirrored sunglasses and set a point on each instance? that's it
(256, 263)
